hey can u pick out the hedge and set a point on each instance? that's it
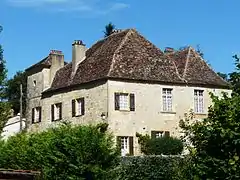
(153, 168)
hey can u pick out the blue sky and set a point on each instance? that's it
(33, 27)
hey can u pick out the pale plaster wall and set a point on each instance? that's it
(148, 113)
(95, 104)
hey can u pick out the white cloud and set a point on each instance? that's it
(91, 6)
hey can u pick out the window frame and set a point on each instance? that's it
(34, 111)
(199, 101)
(165, 105)
(75, 104)
(53, 111)
(130, 100)
(129, 143)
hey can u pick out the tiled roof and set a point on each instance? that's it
(46, 62)
(128, 55)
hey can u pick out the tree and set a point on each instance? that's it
(13, 91)
(223, 75)
(109, 28)
(157, 146)
(214, 142)
(199, 51)
(4, 106)
(64, 152)
(234, 77)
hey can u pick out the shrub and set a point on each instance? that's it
(156, 146)
(152, 167)
(66, 152)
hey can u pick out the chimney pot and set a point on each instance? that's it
(169, 50)
(56, 52)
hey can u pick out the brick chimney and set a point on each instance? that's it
(169, 50)
(57, 62)
(78, 54)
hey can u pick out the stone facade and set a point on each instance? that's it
(99, 99)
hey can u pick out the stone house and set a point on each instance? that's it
(123, 80)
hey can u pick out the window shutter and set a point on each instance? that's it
(60, 111)
(82, 106)
(132, 102)
(119, 143)
(131, 145)
(33, 114)
(40, 114)
(52, 112)
(167, 133)
(73, 108)
(117, 107)
(153, 134)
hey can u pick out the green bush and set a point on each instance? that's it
(67, 152)
(153, 168)
(157, 146)
(164, 145)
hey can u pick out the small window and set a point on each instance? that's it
(126, 145)
(124, 102)
(159, 134)
(167, 99)
(34, 83)
(56, 110)
(198, 101)
(78, 107)
(36, 114)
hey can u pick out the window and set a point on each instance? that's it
(167, 99)
(159, 134)
(198, 101)
(126, 144)
(78, 107)
(124, 102)
(36, 114)
(56, 111)
(34, 83)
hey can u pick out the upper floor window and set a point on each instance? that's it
(124, 101)
(167, 99)
(198, 101)
(34, 83)
(56, 111)
(78, 107)
(36, 114)
(159, 134)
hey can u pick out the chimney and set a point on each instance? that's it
(169, 50)
(57, 62)
(78, 54)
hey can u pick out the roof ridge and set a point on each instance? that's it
(118, 48)
(177, 72)
(201, 58)
(186, 65)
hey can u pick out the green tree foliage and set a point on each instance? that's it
(109, 28)
(4, 106)
(214, 143)
(13, 91)
(234, 77)
(156, 146)
(67, 152)
(223, 75)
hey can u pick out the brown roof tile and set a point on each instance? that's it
(128, 55)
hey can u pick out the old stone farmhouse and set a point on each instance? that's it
(123, 80)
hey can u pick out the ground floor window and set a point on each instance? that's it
(126, 145)
(159, 134)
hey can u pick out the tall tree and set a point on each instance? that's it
(4, 106)
(223, 75)
(234, 77)
(109, 28)
(13, 91)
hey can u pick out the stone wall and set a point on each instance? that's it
(148, 114)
